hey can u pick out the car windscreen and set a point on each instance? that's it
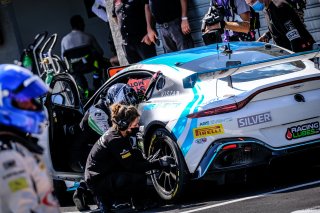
(250, 55)
(267, 72)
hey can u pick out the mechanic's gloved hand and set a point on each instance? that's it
(166, 161)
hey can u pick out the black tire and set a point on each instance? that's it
(169, 184)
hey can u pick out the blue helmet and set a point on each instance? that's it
(123, 94)
(19, 107)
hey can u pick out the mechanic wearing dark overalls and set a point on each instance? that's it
(130, 16)
(285, 26)
(95, 122)
(114, 169)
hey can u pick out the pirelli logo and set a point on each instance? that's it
(205, 131)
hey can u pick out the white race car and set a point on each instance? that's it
(215, 109)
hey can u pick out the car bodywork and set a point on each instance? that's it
(226, 106)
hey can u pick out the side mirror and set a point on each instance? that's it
(161, 81)
(316, 60)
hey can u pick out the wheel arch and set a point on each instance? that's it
(151, 128)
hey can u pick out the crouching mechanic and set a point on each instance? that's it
(25, 184)
(96, 121)
(114, 169)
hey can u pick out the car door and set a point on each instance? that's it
(65, 113)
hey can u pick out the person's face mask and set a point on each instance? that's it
(133, 128)
(132, 131)
(258, 6)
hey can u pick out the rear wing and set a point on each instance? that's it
(189, 82)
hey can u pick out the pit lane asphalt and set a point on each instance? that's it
(291, 189)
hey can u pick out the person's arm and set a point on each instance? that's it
(243, 10)
(123, 153)
(151, 33)
(266, 37)
(243, 27)
(185, 27)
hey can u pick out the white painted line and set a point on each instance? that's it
(309, 210)
(253, 197)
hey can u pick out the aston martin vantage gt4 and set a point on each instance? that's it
(215, 109)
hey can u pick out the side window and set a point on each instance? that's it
(62, 94)
(139, 84)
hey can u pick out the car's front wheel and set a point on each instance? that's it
(169, 183)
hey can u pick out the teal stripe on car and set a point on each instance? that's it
(189, 139)
(182, 120)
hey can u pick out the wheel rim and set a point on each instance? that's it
(165, 180)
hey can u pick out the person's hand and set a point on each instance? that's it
(152, 35)
(166, 161)
(263, 38)
(185, 27)
(146, 40)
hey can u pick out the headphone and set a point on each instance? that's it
(123, 124)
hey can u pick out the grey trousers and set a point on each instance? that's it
(172, 37)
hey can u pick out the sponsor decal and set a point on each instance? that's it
(161, 105)
(125, 154)
(289, 25)
(301, 131)
(16, 173)
(18, 184)
(207, 123)
(9, 164)
(139, 84)
(293, 34)
(254, 119)
(202, 132)
(200, 140)
(170, 93)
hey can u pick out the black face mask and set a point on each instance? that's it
(133, 131)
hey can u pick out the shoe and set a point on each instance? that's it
(79, 199)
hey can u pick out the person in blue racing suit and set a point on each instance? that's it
(25, 183)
